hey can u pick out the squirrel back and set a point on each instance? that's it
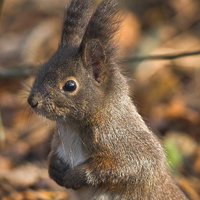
(102, 147)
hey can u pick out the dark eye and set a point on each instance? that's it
(70, 86)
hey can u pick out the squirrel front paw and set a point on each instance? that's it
(57, 170)
(74, 179)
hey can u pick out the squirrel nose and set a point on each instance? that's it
(33, 100)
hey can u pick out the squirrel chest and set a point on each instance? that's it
(72, 151)
(71, 148)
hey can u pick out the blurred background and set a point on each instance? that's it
(166, 92)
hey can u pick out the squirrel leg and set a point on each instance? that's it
(98, 171)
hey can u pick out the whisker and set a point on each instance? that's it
(17, 87)
(26, 84)
(21, 96)
(34, 55)
(21, 100)
(84, 144)
(62, 142)
(31, 64)
(6, 75)
(24, 112)
(29, 116)
(70, 155)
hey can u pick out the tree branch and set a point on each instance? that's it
(160, 57)
(24, 71)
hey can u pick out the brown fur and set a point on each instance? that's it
(110, 152)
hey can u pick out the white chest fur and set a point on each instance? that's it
(71, 148)
(73, 152)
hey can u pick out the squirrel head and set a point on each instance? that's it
(78, 79)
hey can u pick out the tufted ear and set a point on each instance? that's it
(94, 58)
(98, 47)
(76, 18)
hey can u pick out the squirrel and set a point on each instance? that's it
(102, 149)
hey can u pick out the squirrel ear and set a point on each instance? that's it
(76, 18)
(94, 58)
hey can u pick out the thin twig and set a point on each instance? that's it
(160, 57)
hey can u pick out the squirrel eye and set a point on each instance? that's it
(70, 86)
